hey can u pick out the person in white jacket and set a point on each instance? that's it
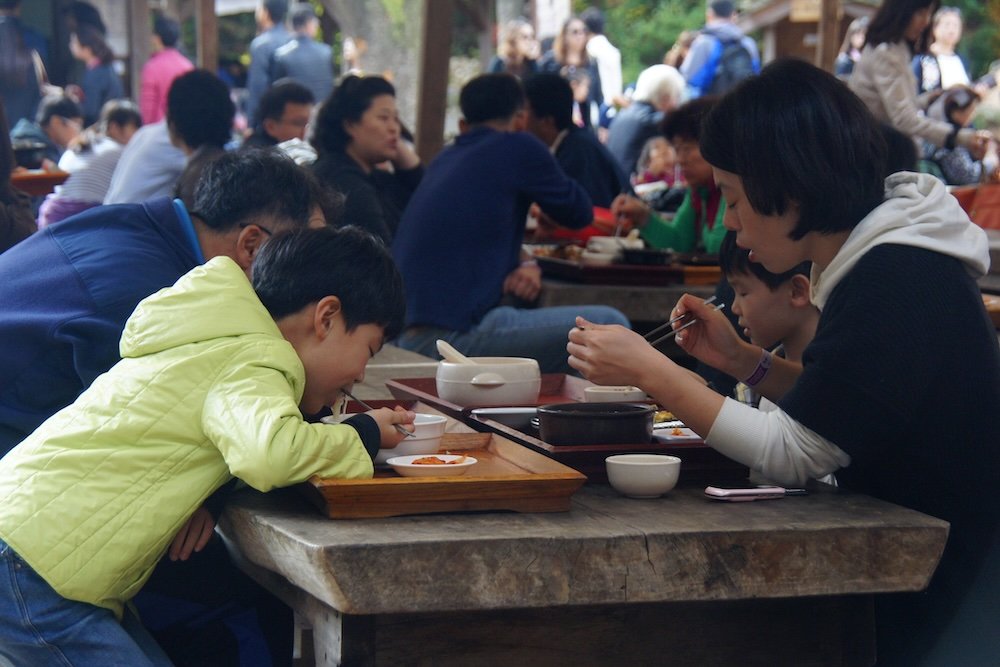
(902, 334)
(884, 80)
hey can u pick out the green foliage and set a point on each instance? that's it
(980, 38)
(645, 30)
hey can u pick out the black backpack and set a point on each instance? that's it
(735, 64)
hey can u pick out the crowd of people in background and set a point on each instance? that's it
(550, 134)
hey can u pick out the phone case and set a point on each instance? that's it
(745, 494)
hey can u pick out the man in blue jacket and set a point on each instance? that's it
(66, 293)
(458, 245)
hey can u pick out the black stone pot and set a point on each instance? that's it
(595, 423)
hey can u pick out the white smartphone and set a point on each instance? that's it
(749, 492)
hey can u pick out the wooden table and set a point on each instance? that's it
(37, 182)
(614, 581)
(638, 303)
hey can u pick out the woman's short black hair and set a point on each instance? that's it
(260, 187)
(200, 110)
(734, 260)
(892, 19)
(167, 29)
(796, 134)
(685, 121)
(347, 103)
(121, 113)
(297, 268)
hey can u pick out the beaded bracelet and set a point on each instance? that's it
(759, 373)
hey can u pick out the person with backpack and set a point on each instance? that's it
(721, 55)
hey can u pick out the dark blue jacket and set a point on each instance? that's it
(66, 292)
(307, 61)
(461, 233)
(629, 131)
(589, 163)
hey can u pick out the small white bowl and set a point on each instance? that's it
(612, 244)
(613, 394)
(592, 258)
(643, 475)
(405, 466)
(426, 439)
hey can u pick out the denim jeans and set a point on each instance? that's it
(539, 333)
(39, 627)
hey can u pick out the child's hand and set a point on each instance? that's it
(193, 535)
(387, 419)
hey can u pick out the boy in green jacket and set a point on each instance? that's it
(214, 378)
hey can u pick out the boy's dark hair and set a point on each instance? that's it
(685, 121)
(276, 9)
(550, 96)
(347, 103)
(302, 14)
(57, 105)
(490, 97)
(722, 8)
(199, 109)
(593, 18)
(253, 187)
(892, 19)
(297, 268)
(734, 260)
(796, 134)
(120, 112)
(284, 91)
(167, 29)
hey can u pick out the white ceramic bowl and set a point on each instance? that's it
(592, 258)
(643, 475)
(426, 439)
(612, 244)
(405, 466)
(491, 381)
(613, 394)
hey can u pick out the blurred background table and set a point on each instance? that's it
(37, 182)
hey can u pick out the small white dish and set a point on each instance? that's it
(613, 394)
(405, 466)
(643, 475)
(519, 418)
(679, 434)
(592, 258)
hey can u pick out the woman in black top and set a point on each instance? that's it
(364, 155)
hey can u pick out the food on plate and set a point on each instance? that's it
(677, 431)
(435, 461)
(570, 252)
(663, 416)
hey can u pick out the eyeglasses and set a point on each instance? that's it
(262, 228)
(577, 31)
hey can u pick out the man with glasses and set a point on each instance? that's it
(67, 291)
(58, 122)
(285, 111)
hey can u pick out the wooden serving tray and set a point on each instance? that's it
(507, 476)
(36, 182)
(556, 388)
(700, 464)
(611, 274)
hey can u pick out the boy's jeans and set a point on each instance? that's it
(39, 627)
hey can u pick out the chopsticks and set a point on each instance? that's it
(673, 332)
(354, 398)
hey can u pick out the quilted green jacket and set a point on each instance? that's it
(207, 389)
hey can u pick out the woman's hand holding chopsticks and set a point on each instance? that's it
(610, 354)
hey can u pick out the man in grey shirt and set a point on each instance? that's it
(271, 20)
(303, 58)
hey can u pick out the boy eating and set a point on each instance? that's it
(215, 376)
(773, 309)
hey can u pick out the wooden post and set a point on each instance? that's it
(432, 96)
(207, 29)
(828, 33)
(139, 33)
